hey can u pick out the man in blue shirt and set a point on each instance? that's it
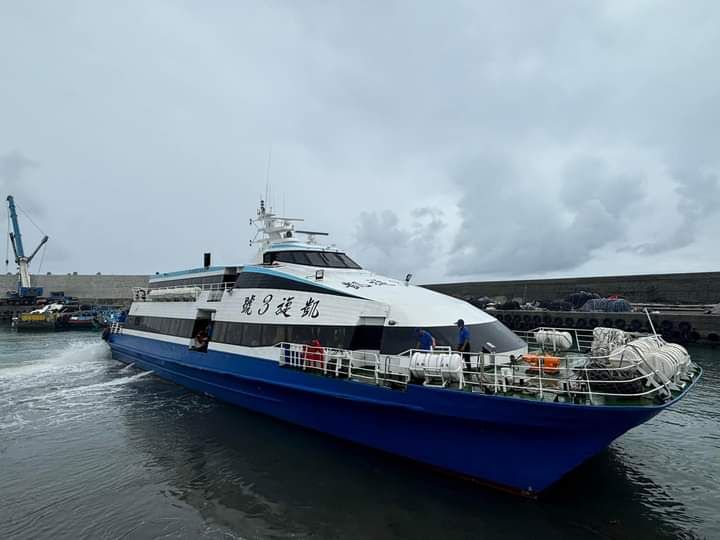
(425, 340)
(464, 342)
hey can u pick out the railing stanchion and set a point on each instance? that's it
(491, 348)
(482, 369)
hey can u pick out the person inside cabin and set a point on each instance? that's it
(425, 340)
(200, 343)
(464, 342)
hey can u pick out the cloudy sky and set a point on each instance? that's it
(454, 140)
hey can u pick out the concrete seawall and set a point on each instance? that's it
(678, 324)
(100, 288)
(694, 288)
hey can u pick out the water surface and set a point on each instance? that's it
(90, 448)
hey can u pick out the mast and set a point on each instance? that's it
(271, 228)
(21, 260)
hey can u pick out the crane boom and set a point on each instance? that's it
(23, 262)
(16, 237)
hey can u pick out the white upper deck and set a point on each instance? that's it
(279, 249)
(406, 305)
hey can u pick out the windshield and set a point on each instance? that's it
(323, 259)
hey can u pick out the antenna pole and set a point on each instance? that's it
(267, 176)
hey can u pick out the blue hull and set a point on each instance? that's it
(518, 444)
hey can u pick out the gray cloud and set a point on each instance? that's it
(515, 224)
(389, 247)
(12, 168)
(589, 179)
(696, 197)
(544, 132)
(15, 180)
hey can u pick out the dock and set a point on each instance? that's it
(95, 289)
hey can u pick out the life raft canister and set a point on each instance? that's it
(551, 364)
(315, 354)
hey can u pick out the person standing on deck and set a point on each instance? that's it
(464, 342)
(426, 341)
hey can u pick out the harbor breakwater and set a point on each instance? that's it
(688, 288)
(678, 303)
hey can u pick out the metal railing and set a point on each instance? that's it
(183, 292)
(576, 373)
(368, 366)
(574, 378)
(116, 328)
(568, 376)
(568, 380)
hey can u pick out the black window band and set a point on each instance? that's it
(389, 339)
(321, 259)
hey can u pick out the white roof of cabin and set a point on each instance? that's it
(409, 305)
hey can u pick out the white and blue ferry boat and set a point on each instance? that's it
(308, 336)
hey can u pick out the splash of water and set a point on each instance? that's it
(75, 356)
(68, 384)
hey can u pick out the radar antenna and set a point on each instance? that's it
(272, 228)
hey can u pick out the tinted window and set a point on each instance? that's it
(301, 258)
(396, 340)
(334, 336)
(333, 260)
(349, 263)
(234, 333)
(273, 334)
(300, 334)
(324, 259)
(252, 335)
(367, 337)
(316, 259)
(283, 256)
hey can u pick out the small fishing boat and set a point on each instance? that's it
(306, 335)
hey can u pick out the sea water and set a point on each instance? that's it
(91, 448)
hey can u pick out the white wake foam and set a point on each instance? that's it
(78, 356)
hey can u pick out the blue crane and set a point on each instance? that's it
(25, 291)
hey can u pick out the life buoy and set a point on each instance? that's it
(551, 364)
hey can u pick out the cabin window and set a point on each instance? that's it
(273, 334)
(316, 259)
(323, 259)
(252, 335)
(398, 339)
(367, 338)
(348, 262)
(301, 258)
(334, 336)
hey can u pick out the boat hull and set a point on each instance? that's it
(517, 444)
